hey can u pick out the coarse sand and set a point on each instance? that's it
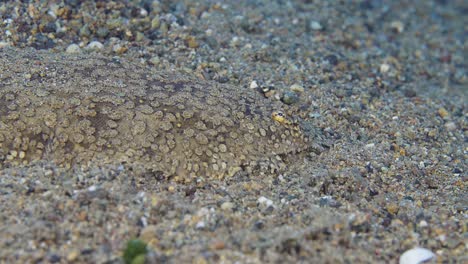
(368, 159)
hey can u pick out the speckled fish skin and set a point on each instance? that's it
(88, 109)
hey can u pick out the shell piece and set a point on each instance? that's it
(88, 109)
(416, 256)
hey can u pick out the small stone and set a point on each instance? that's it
(212, 42)
(416, 256)
(155, 23)
(148, 234)
(315, 25)
(265, 204)
(82, 216)
(171, 188)
(259, 225)
(192, 42)
(332, 59)
(392, 208)
(4, 44)
(43, 42)
(119, 49)
(143, 12)
(450, 126)
(154, 60)
(114, 23)
(250, 26)
(200, 225)
(397, 26)
(297, 88)
(73, 48)
(384, 67)
(49, 27)
(423, 223)
(73, 255)
(102, 32)
(253, 85)
(290, 98)
(329, 201)
(227, 206)
(139, 36)
(73, 3)
(84, 31)
(443, 112)
(164, 28)
(54, 258)
(409, 93)
(14, 153)
(95, 45)
(217, 245)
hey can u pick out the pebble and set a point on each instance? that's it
(290, 98)
(102, 32)
(119, 48)
(384, 68)
(95, 45)
(264, 203)
(227, 206)
(398, 26)
(73, 255)
(253, 85)
(115, 23)
(155, 22)
(192, 42)
(315, 25)
(329, 201)
(443, 113)
(217, 245)
(423, 223)
(200, 225)
(416, 256)
(297, 88)
(155, 60)
(149, 234)
(53, 258)
(73, 48)
(84, 31)
(4, 44)
(332, 59)
(43, 42)
(450, 126)
(393, 208)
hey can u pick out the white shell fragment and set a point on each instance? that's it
(416, 256)
(264, 202)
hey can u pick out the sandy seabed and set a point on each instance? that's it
(380, 86)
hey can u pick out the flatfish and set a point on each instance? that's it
(88, 109)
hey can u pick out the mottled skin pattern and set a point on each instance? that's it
(86, 109)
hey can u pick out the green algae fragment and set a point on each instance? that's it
(135, 251)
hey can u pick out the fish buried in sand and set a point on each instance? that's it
(88, 110)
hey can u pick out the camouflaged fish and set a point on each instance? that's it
(85, 110)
